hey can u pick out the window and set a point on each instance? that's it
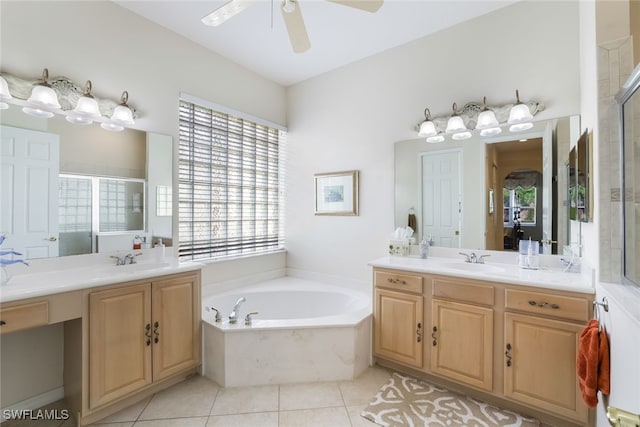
(230, 184)
(519, 204)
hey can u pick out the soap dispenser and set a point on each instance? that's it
(424, 249)
(159, 249)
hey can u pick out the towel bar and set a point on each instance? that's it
(604, 304)
(620, 418)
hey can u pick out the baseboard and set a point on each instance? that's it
(35, 402)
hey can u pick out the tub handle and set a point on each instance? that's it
(218, 315)
(247, 318)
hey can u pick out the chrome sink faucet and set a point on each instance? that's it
(233, 316)
(473, 258)
(127, 259)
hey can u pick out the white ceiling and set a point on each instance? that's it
(339, 35)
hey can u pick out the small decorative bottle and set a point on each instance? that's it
(424, 249)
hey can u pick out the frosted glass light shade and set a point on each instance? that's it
(427, 128)
(87, 106)
(490, 131)
(519, 114)
(113, 127)
(122, 115)
(4, 93)
(455, 124)
(37, 112)
(487, 119)
(461, 135)
(44, 97)
(519, 127)
(435, 139)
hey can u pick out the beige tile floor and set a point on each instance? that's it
(199, 402)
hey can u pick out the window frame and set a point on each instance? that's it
(212, 226)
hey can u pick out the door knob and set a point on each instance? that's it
(50, 239)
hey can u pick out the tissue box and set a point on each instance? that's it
(399, 247)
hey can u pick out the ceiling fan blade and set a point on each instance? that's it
(295, 27)
(226, 11)
(367, 5)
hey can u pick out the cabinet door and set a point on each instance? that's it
(176, 325)
(398, 327)
(462, 343)
(540, 364)
(119, 348)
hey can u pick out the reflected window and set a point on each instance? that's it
(519, 206)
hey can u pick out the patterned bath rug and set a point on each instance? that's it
(407, 401)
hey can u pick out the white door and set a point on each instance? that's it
(441, 197)
(29, 163)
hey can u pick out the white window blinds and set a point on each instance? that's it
(230, 179)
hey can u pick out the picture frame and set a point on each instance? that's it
(336, 193)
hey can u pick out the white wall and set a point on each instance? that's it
(117, 50)
(351, 117)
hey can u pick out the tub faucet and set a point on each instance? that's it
(233, 316)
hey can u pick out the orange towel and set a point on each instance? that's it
(593, 363)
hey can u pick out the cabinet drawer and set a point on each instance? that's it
(24, 316)
(460, 291)
(562, 306)
(400, 282)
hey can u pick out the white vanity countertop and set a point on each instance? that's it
(544, 277)
(36, 282)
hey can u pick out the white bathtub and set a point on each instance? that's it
(304, 331)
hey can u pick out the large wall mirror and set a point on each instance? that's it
(630, 191)
(70, 189)
(487, 193)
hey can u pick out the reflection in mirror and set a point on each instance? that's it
(583, 205)
(630, 116)
(482, 165)
(573, 184)
(64, 215)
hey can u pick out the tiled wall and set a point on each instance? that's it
(615, 64)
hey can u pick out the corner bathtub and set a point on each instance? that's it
(304, 331)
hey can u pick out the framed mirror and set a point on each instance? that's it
(629, 99)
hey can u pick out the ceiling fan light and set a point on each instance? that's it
(519, 127)
(435, 139)
(225, 12)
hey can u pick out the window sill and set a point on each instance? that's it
(208, 261)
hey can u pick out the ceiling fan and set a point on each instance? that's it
(291, 14)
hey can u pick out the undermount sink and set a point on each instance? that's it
(473, 267)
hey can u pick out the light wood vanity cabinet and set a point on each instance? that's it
(398, 333)
(140, 334)
(541, 349)
(516, 343)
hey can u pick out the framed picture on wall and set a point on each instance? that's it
(336, 193)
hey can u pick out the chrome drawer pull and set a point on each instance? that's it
(543, 304)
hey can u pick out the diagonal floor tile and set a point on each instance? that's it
(360, 390)
(319, 417)
(256, 419)
(193, 397)
(242, 400)
(310, 395)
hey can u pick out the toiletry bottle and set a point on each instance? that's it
(424, 249)
(137, 242)
(159, 248)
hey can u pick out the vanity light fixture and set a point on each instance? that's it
(122, 115)
(427, 128)
(5, 95)
(43, 99)
(87, 109)
(456, 126)
(487, 122)
(519, 117)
